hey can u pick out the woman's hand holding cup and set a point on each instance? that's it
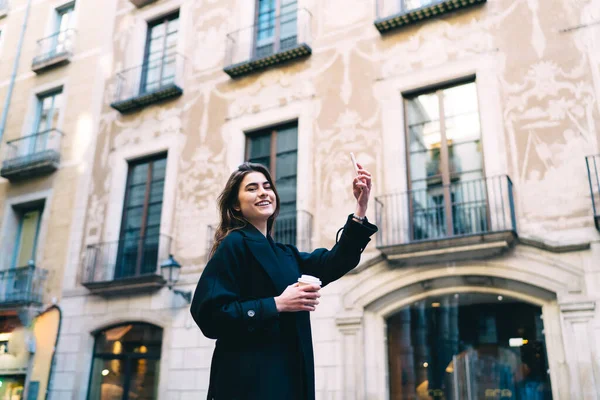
(301, 296)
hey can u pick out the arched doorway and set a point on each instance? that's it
(467, 346)
(126, 363)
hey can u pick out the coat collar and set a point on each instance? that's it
(266, 256)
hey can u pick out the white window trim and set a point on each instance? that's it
(118, 159)
(7, 238)
(390, 94)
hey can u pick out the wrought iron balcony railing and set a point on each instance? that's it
(393, 14)
(126, 264)
(283, 38)
(22, 286)
(593, 168)
(152, 82)
(54, 50)
(295, 228)
(33, 155)
(463, 209)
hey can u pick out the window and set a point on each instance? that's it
(46, 120)
(447, 185)
(27, 235)
(468, 346)
(160, 55)
(126, 363)
(276, 26)
(140, 230)
(277, 149)
(64, 22)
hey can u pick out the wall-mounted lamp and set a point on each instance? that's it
(170, 269)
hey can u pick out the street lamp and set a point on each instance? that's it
(170, 269)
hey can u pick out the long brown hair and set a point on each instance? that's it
(231, 219)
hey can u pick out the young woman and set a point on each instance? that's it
(248, 297)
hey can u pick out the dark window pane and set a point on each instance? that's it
(286, 165)
(139, 173)
(156, 191)
(154, 212)
(287, 139)
(130, 338)
(260, 146)
(137, 195)
(108, 379)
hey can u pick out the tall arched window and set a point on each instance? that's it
(126, 363)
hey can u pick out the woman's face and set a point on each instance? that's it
(256, 198)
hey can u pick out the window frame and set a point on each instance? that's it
(438, 89)
(272, 132)
(144, 160)
(175, 15)
(20, 211)
(127, 357)
(276, 38)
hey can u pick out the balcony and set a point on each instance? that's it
(3, 8)
(141, 3)
(32, 156)
(21, 287)
(463, 220)
(593, 167)
(53, 51)
(283, 39)
(295, 228)
(126, 266)
(394, 14)
(152, 82)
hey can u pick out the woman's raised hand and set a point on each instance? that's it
(361, 188)
(298, 298)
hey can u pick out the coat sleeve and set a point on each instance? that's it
(217, 307)
(330, 265)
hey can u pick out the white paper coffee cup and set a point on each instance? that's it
(309, 280)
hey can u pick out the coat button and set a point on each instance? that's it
(250, 329)
(251, 313)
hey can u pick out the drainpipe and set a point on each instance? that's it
(54, 351)
(13, 76)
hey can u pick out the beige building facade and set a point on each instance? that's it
(50, 91)
(477, 119)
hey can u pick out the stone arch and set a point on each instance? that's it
(381, 290)
(530, 268)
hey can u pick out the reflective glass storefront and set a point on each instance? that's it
(468, 346)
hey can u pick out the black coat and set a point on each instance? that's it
(261, 354)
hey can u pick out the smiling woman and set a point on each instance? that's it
(249, 299)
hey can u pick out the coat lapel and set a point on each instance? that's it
(264, 254)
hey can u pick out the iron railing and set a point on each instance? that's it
(279, 34)
(57, 45)
(30, 150)
(463, 208)
(125, 258)
(22, 285)
(293, 227)
(593, 168)
(392, 14)
(163, 77)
